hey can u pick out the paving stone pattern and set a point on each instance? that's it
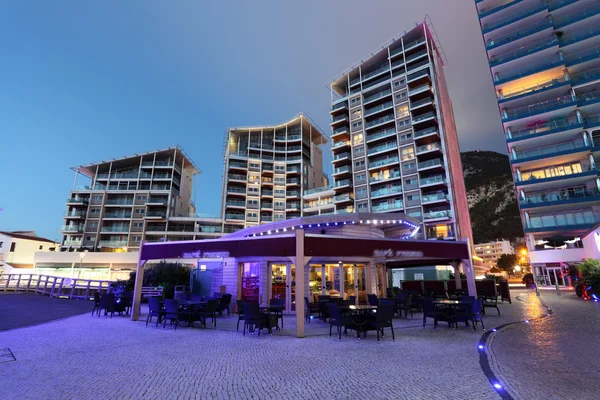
(88, 357)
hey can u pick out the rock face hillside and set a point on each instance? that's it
(491, 196)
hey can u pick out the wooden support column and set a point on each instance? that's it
(470, 272)
(137, 289)
(300, 282)
(457, 272)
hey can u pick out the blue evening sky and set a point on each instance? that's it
(83, 81)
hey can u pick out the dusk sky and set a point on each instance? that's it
(86, 81)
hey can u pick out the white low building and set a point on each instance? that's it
(491, 251)
(18, 249)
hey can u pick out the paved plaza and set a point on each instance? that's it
(86, 357)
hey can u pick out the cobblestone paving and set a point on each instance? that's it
(551, 358)
(87, 357)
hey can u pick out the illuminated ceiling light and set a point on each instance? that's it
(285, 229)
(310, 226)
(361, 222)
(268, 232)
(300, 226)
(293, 227)
(336, 223)
(327, 224)
(388, 221)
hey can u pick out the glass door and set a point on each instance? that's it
(279, 281)
(291, 288)
(250, 285)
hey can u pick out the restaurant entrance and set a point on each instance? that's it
(283, 284)
(339, 280)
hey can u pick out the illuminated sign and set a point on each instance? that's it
(397, 253)
(206, 254)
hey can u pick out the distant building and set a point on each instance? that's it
(491, 251)
(17, 249)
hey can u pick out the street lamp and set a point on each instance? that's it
(81, 255)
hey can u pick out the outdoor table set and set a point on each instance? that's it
(111, 303)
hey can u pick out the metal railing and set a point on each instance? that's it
(539, 108)
(562, 219)
(552, 126)
(513, 17)
(550, 150)
(53, 286)
(518, 34)
(377, 95)
(434, 197)
(380, 134)
(385, 177)
(560, 195)
(432, 180)
(521, 52)
(379, 121)
(388, 206)
(575, 16)
(378, 108)
(384, 161)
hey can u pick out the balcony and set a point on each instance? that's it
(558, 173)
(437, 162)
(423, 102)
(342, 183)
(342, 131)
(419, 89)
(519, 34)
(75, 214)
(113, 243)
(339, 118)
(155, 215)
(237, 177)
(429, 148)
(511, 18)
(377, 96)
(432, 131)
(72, 228)
(120, 202)
(437, 215)
(433, 180)
(342, 198)
(423, 117)
(533, 89)
(235, 203)
(157, 201)
(592, 122)
(386, 191)
(381, 134)
(524, 51)
(579, 36)
(435, 198)
(549, 151)
(397, 205)
(559, 197)
(78, 200)
(266, 193)
(340, 157)
(341, 144)
(379, 121)
(539, 108)
(383, 162)
(235, 217)
(381, 107)
(575, 220)
(231, 190)
(292, 193)
(292, 181)
(385, 176)
(72, 242)
(120, 229)
(583, 56)
(118, 215)
(382, 148)
(339, 106)
(548, 128)
(342, 170)
(484, 12)
(530, 70)
(238, 165)
(576, 16)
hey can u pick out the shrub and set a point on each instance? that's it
(590, 275)
(165, 275)
(528, 279)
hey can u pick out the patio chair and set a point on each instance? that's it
(254, 319)
(127, 300)
(476, 313)
(491, 302)
(383, 319)
(107, 303)
(310, 309)
(352, 299)
(217, 295)
(406, 307)
(171, 313)
(338, 319)
(278, 306)
(181, 297)
(224, 302)
(96, 303)
(196, 297)
(429, 311)
(385, 301)
(154, 310)
(240, 311)
(372, 300)
(210, 311)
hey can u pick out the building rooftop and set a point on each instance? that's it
(28, 235)
(321, 138)
(90, 169)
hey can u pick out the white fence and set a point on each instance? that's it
(53, 286)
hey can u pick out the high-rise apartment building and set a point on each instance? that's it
(142, 197)
(267, 169)
(544, 58)
(395, 145)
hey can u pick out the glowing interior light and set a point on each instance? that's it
(526, 321)
(494, 330)
(497, 386)
(480, 347)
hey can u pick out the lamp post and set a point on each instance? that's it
(81, 255)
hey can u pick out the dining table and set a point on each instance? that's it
(359, 316)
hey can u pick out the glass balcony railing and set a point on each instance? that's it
(239, 217)
(117, 215)
(583, 56)
(341, 156)
(576, 16)
(380, 121)
(588, 98)
(344, 182)
(484, 12)
(163, 164)
(292, 193)
(78, 200)
(414, 43)
(377, 71)
(383, 147)
(532, 48)
(437, 214)
(373, 110)
(75, 214)
(343, 169)
(342, 197)
(416, 55)
(160, 214)
(121, 229)
(341, 143)
(428, 147)
(563, 195)
(121, 202)
(433, 179)
(113, 243)
(397, 205)
(561, 171)
(380, 134)
(423, 117)
(339, 118)
(550, 150)
(415, 104)
(539, 108)
(556, 4)
(385, 176)
(419, 89)
(377, 95)
(578, 36)
(518, 34)
(72, 228)
(523, 72)
(235, 203)
(417, 65)
(340, 105)
(340, 130)
(69, 242)
(424, 132)
(417, 75)
(534, 88)
(566, 219)
(431, 163)
(592, 121)
(376, 82)
(236, 190)
(587, 76)
(384, 161)
(238, 164)
(317, 190)
(548, 127)
(386, 191)
(434, 197)
(237, 177)
(513, 17)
